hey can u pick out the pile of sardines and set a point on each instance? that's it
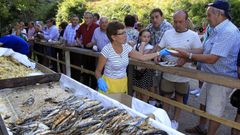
(81, 115)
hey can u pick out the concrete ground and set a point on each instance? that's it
(189, 120)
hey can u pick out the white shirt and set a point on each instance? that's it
(70, 34)
(116, 64)
(185, 40)
(23, 31)
(146, 47)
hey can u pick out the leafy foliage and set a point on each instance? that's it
(25, 10)
(195, 8)
(235, 10)
(119, 8)
(69, 7)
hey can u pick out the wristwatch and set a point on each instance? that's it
(190, 56)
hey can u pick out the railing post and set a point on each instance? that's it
(67, 62)
(130, 80)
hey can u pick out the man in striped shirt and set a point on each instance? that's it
(70, 31)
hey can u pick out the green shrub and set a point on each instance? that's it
(196, 9)
(69, 7)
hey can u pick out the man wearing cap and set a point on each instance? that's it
(220, 50)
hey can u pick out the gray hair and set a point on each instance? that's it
(103, 18)
(218, 11)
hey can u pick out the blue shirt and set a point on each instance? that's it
(223, 41)
(100, 38)
(51, 33)
(16, 43)
(238, 61)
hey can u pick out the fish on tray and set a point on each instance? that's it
(81, 115)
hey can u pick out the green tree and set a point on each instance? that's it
(67, 8)
(120, 8)
(195, 8)
(25, 10)
(235, 10)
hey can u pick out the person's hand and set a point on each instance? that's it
(157, 59)
(142, 46)
(164, 52)
(181, 53)
(131, 43)
(89, 45)
(143, 43)
(79, 42)
(102, 85)
(95, 48)
(181, 62)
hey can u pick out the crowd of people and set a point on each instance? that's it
(215, 47)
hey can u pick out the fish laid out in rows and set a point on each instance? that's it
(81, 115)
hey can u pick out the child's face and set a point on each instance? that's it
(145, 37)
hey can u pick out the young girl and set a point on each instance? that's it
(142, 77)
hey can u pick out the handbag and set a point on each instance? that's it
(139, 74)
(235, 98)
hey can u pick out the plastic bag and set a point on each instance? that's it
(17, 56)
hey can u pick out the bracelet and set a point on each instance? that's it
(190, 56)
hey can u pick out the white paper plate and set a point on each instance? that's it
(172, 51)
(167, 65)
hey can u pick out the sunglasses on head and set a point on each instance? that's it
(122, 33)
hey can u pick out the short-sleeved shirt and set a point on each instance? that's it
(238, 61)
(132, 34)
(16, 43)
(86, 34)
(224, 42)
(70, 34)
(186, 40)
(146, 47)
(157, 33)
(100, 38)
(116, 64)
(31, 32)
